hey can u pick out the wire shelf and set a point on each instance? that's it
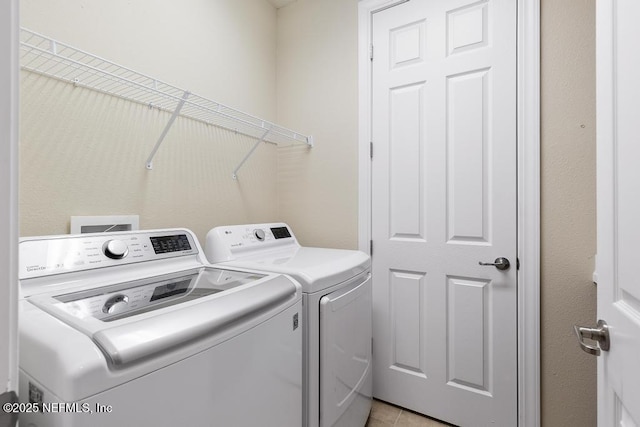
(46, 56)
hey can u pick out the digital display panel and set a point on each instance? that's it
(280, 232)
(166, 244)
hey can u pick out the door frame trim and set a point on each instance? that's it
(9, 129)
(528, 134)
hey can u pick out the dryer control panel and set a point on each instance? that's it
(227, 242)
(63, 254)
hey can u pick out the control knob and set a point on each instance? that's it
(115, 249)
(259, 233)
(115, 304)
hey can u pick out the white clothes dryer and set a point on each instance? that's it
(136, 329)
(336, 286)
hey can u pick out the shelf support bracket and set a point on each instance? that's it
(235, 171)
(175, 114)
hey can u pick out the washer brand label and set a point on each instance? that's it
(35, 268)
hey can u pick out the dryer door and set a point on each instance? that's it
(345, 355)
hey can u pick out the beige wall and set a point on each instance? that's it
(568, 238)
(222, 49)
(317, 50)
(83, 153)
(318, 94)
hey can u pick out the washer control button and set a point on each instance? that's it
(115, 249)
(115, 304)
(259, 233)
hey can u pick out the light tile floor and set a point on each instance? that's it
(386, 415)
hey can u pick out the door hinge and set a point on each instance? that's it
(371, 150)
(371, 52)
(517, 263)
(370, 247)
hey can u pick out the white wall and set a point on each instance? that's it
(83, 153)
(8, 197)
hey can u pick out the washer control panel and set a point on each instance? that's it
(64, 254)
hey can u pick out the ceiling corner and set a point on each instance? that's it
(280, 3)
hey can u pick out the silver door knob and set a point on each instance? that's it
(600, 335)
(500, 263)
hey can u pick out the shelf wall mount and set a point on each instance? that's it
(234, 175)
(172, 119)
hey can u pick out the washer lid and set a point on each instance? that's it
(123, 300)
(135, 320)
(314, 268)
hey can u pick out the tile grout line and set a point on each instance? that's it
(395, 423)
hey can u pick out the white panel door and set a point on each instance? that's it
(443, 200)
(618, 109)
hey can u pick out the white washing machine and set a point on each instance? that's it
(135, 329)
(336, 286)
